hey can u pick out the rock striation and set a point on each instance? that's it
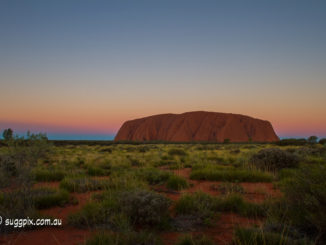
(197, 126)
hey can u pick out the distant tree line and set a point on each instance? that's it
(8, 135)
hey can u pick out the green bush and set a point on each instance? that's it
(274, 159)
(177, 183)
(304, 203)
(232, 175)
(145, 207)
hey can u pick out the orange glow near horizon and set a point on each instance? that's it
(109, 122)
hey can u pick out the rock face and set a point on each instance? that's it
(197, 126)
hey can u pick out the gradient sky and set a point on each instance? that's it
(81, 68)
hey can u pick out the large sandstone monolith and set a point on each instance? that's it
(197, 126)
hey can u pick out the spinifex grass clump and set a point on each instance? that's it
(204, 205)
(177, 152)
(199, 204)
(41, 174)
(255, 236)
(90, 215)
(226, 188)
(82, 184)
(231, 175)
(153, 176)
(49, 197)
(97, 171)
(235, 203)
(176, 182)
(274, 159)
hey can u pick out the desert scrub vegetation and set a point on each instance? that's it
(199, 239)
(97, 171)
(303, 206)
(258, 236)
(125, 238)
(198, 203)
(92, 214)
(272, 159)
(176, 182)
(205, 206)
(50, 174)
(38, 198)
(177, 152)
(82, 184)
(231, 175)
(145, 207)
(17, 161)
(153, 176)
(49, 197)
(227, 188)
(21, 156)
(120, 210)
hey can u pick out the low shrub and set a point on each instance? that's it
(226, 188)
(176, 182)
(48, 197)
(203, 205)
(154, 176)
(135, 162)
(252, 236)
(48, 174)
(232, 175)
(199, 204)
(82, 184)
(145, 207)
(177, 152)
(235, 203)
(89, 215)
(274, 159)
(126, 181)
(97, 171)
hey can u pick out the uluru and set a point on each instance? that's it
(197, 126)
